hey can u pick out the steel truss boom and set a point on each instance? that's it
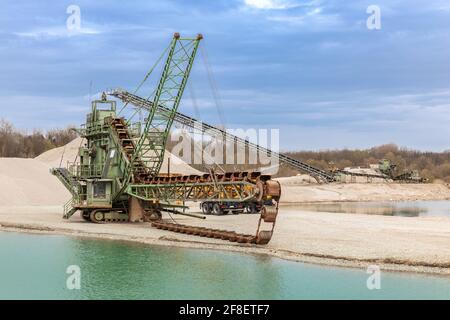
(150, 148)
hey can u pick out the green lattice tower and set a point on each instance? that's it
(152, 143)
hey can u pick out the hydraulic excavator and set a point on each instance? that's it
(117, 176)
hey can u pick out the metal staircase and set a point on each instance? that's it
(69, 210)
(72, 185)
(66, 178)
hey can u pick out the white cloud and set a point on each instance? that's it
(56, 32)
(313, 19)
(270, 4)
(89, 28)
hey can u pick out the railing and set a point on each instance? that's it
(80, 200)
(63, 175)
(84, 200)
(85, 171)
(95, 128)
(68, 208)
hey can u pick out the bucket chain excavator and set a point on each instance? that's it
(118, 173)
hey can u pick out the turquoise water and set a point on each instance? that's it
(34, 267)
(440, 208)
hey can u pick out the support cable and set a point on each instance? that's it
(146, 77)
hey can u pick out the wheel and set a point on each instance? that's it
(217, 210)
(251, 208)
(206, 208)
(264, 237)
(260, 188)
(96, 216)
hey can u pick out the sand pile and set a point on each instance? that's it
(28, 182)
(69, 152)
(58, 157)
(177, 165)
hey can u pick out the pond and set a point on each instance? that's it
(36, 266)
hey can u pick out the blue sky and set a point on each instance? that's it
(310, 68)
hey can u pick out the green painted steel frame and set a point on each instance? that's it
(230, 191)
(152, 143)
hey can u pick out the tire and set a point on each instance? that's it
(217, 210)
(96, 216)
(206, 208)
(251, 208)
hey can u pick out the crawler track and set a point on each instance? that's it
(268, 215)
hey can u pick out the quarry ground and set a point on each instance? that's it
(31, 200)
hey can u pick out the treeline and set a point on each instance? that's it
(17, 143)
(430, 165)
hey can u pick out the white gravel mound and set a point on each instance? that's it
(60, 156)
(28, 182)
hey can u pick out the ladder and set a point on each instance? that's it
(65, 177)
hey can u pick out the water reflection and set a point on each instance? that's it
(113, 269)
(401, 208)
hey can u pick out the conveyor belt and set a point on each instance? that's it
(318, 174)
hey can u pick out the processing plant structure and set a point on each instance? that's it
(117, 176)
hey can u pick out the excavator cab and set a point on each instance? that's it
(99, 193)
